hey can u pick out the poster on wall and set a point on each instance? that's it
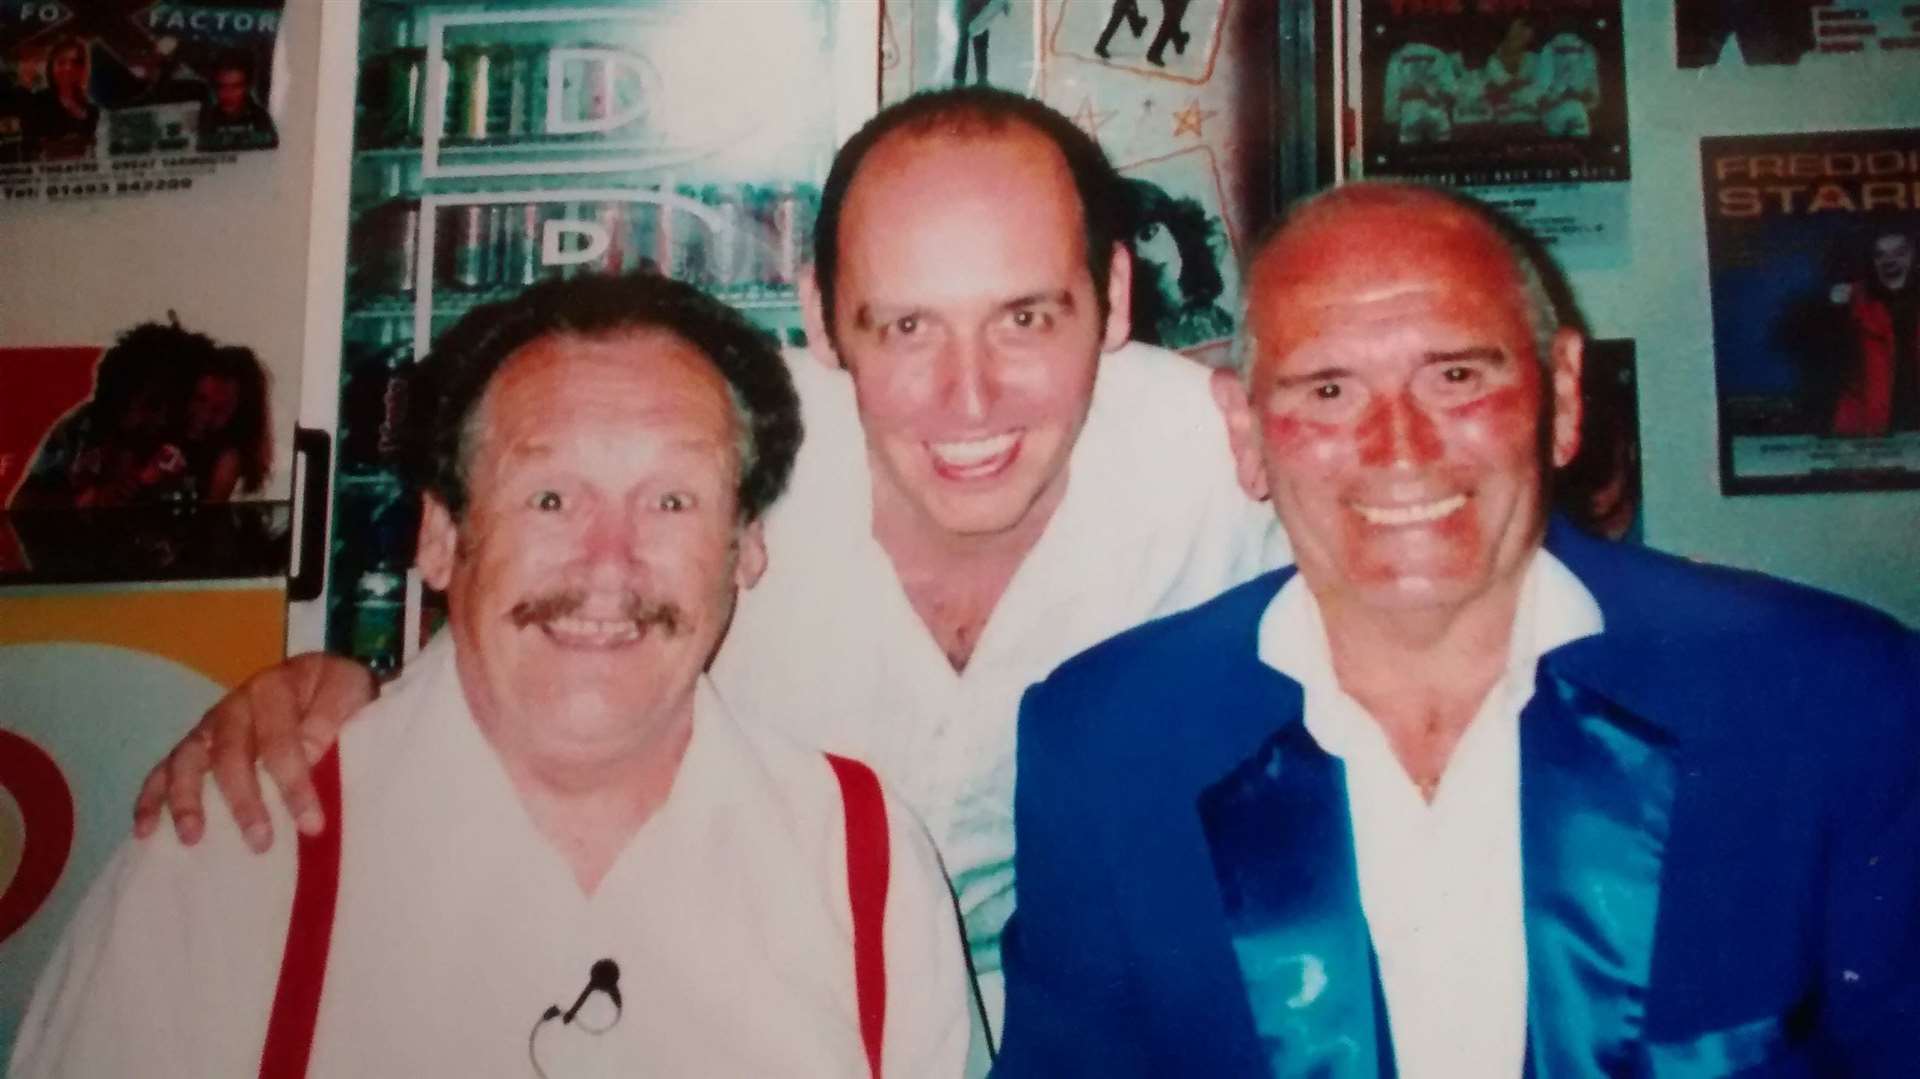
(1744, 33)
(1524, 106)
(1599, 490)
(1177, 95)
(1474, 98)
(99, 684)
(1816, 298)
(145, 460)
(112, 98)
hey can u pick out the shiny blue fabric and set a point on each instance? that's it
(1596, 804)
(1281, 842)
(1719, 1052)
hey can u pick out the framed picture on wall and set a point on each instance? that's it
(1471, 97)
(1811, 244)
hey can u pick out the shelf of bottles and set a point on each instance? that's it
(500, 144)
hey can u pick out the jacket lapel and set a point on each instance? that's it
(1596, 803)
(1599, 774)
(1281, 843)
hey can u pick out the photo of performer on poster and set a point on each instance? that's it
(171, 417)
(1176, 39)
(1816, 306)
(1186, 282)
(1472, 97)
(146, 460)
(84, 82)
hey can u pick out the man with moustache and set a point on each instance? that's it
(555, 850)
(1464, 792)
(993, 480)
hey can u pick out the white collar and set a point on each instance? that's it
(1554, 609)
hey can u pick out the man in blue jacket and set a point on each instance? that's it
(1464, 792)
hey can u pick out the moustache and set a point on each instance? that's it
(645, 613)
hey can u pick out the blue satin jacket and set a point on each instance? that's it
(1720, 832)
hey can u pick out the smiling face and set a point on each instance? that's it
(1892, 261)
(966, 314)
(596, 565)
(1394, 405)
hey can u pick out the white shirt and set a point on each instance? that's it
(1440, 882)
(1152, 522)
(459, 925)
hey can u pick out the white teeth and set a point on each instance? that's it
(1410, 515)
(973, 451)
(596, 631)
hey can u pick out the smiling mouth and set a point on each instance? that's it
(973, 459)
(592, 632)
(558, 617)
(1414, 514)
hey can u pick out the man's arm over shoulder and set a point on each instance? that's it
(168, 967)
(1070, 999)
(1871, 1020)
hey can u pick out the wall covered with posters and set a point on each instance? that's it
(104, 454)
(1201, 104)
(1706, 78)
(221, 254)
(1742, 201)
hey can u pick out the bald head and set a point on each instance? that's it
(1405, 399)
(1368, 236)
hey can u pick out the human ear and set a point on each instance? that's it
(1119, 299)
(813, 316)
(438, 544)
(1243, 438)
(750, 554)
(1566, 356)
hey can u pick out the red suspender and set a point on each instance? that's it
(303, 968)
(867, 876)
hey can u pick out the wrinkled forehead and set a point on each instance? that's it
(1351, 257)
(644, 380)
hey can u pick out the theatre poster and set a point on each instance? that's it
(1811, 243)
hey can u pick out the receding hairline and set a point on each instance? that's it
(477, 423)
(1443, 212)
(963, 130)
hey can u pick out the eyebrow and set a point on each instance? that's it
(1476, 353)
(1473, 354)
(1062, 297)
(1323, 374)
(863, 315)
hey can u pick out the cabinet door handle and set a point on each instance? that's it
(312, 450)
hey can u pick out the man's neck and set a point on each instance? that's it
(953, 581)
(1423, 675)
(590, 809)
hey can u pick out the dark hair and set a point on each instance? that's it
(1192, 230)
(971, 111)
(148, 357)
(232, 60)
(247, 432)
(454, 376)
